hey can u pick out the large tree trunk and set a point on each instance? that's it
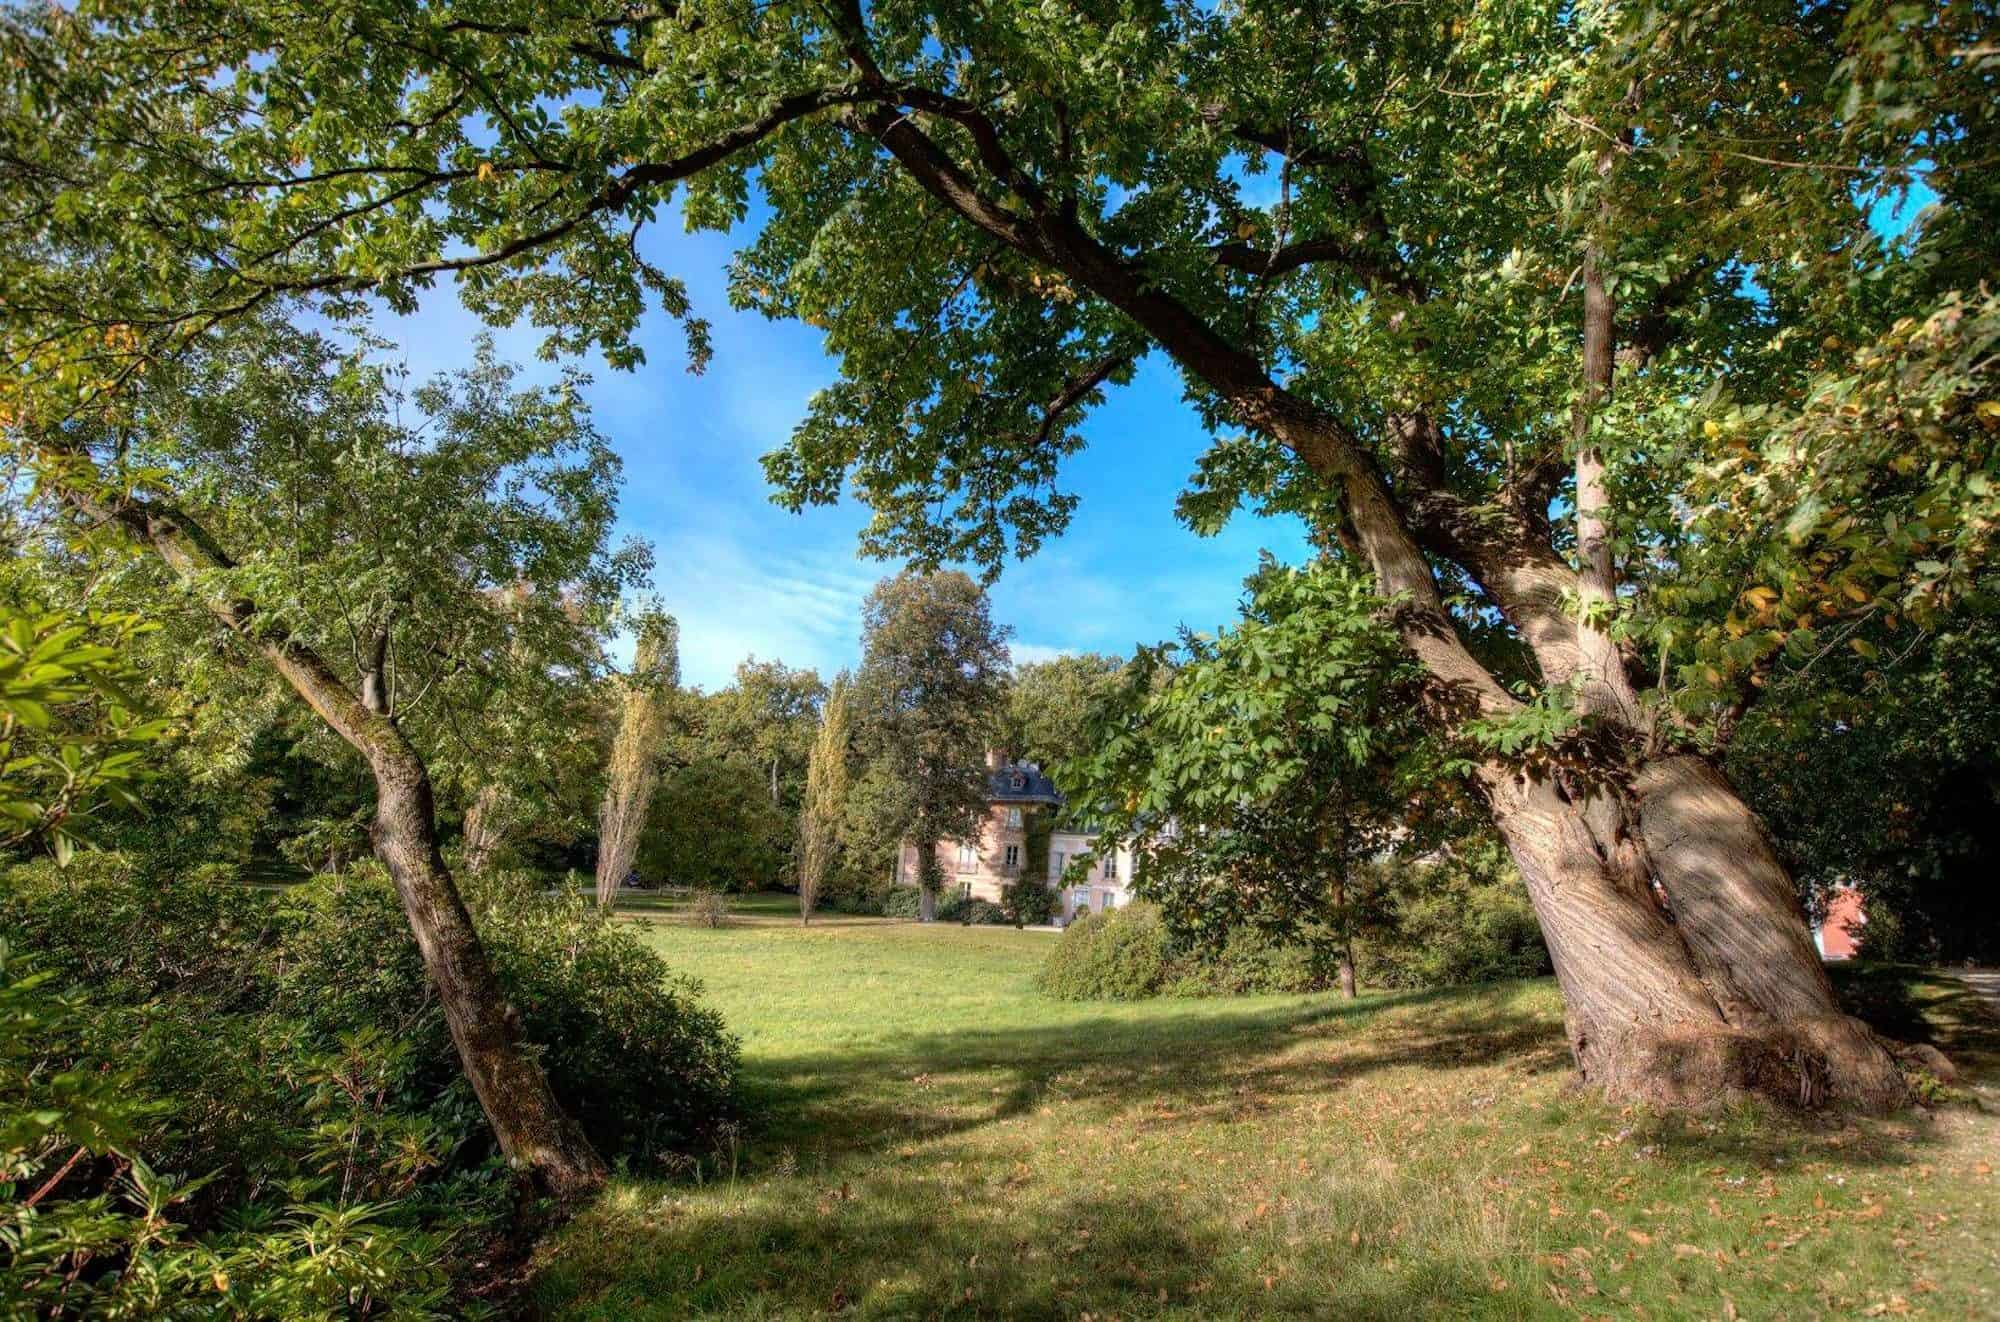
(1739, 912)
(533, 1130)
(1659, 1008)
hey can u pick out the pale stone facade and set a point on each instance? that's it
(980, 868)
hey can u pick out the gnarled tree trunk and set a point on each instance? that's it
(1739, 912)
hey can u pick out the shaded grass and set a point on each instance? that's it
(931, 1138)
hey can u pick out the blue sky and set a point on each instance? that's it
(745, 577)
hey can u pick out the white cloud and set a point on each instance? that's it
(1029, 654)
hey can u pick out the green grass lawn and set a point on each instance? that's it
(929, 1137)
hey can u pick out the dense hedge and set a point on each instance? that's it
(1458, 920)
(904, 902)
(281, 1062)
(1464, 918)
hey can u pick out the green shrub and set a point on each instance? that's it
(1458, 920)
(977, 912)
(865, 903)
(1119, 955)
(906, 901)
(630, 1051)
(264, 1093)
(1028, 901)
(1254, 962)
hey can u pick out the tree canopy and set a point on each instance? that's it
(1618, 465)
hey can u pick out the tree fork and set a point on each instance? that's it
(532, 1129)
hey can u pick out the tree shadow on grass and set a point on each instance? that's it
(796, 1250)
(1181, 1069)
(1912, 1004)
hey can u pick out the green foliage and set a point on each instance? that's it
(1251, 961)
(1048, 703)
(1028, 900)
(305, 976)
(633, 1054)
(72, 735)
(1460, 918)
(1883, 773)
(906, 902)
(173, 1145)
(1119, 955)
(92, 1228)
(712, 824)
(1253, 771)
(1131, 953)
(927, 700)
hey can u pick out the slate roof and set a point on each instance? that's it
(1021, 782)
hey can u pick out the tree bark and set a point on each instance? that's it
(537, 1136)
(929, 881)
(533, 1130)
(1740, 914)
(485, 827)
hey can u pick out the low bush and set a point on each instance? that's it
(1464, 918)
(249, 1105)
(906, 902)
(1118, 955)
(976, 912)
(864, 903)
(1251, 961)
(1028, 901)
(708, 909)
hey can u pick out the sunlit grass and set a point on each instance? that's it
(930, 1138)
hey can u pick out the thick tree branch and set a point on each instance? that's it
(1364, 264)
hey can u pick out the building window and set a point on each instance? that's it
(1056, 859)
(1013, 857)
(1111, 867)
(968, 857)
(964, 890)
(1013, 819)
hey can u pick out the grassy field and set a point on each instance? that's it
(931, 1138)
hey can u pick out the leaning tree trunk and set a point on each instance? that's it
(1739, 912)
(1659, 1006)
(1650, 1000)
(537, 1136)
(534, 1131)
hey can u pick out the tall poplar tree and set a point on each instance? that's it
(825, 798)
